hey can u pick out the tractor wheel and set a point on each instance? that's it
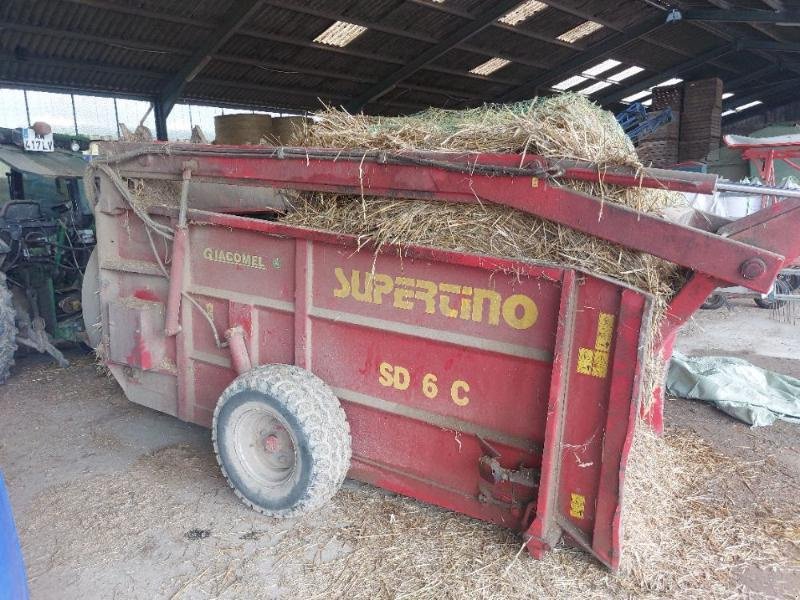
(282, 440)
(713, 302)
(8, 330)
(782, 286)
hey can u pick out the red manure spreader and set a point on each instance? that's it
(505, 390)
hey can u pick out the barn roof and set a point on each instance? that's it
(394, 56)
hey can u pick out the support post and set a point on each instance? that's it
(160, 115)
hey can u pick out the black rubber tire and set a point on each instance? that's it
(781, 287)
(312, 415)
(713, 302)
(8, 330)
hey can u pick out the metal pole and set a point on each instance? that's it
(27, 108)
(116, 116)
(756, 190)
(74, 113)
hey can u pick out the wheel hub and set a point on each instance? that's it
(265, 447)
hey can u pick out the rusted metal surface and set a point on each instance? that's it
(505, 390)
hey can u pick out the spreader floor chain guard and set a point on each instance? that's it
(504, 390)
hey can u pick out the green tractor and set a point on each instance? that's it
(46, 239)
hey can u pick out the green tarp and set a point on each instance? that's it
(744, 391)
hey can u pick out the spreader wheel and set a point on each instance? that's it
(282, 440)
(8, 330)
(90, 301)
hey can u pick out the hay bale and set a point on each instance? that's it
(290, 131)
(242, 129)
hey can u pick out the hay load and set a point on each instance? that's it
(567, 126)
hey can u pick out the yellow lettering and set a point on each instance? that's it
(530, 312)
(208, 254)
(237, 258)
(466, 304)
(364, 295)
(385, 378)
(585, 361)
(595, 362)
(600, 364)
(229, 256)
(429, 387)
(344, 291)
(402, 378)
(444, 301)
(458, 392)
(427, 294)
(382, 285)
(403, 295)
(605, 331)
(482, 295)
(577, 505)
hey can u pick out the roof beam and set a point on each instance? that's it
(459, 36)
(375, 26)
(241, 13)
(586, 58)
(283, 39)
(93, 38)
(149, 48)
(762, 28)
(46, 61)
(721, 30)
(291, 68)
(773, 46)
(733, 15)
(141, 12)
(335, 16)
(735, 84)
(10, 58)
(679, 69)
(763, 92)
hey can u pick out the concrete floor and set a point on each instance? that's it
(114, 500)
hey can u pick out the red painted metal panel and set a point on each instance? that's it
(544, 532)
(621, 412)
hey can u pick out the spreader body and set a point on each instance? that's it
(505, 390)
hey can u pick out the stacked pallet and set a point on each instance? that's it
(668, 97)
(660, 148)
(701, 122)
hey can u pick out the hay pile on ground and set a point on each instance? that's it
(397, 548)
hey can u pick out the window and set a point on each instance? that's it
(490, 66)
(580, 32)
(522, 12)
(340, 34)
(569, 83)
